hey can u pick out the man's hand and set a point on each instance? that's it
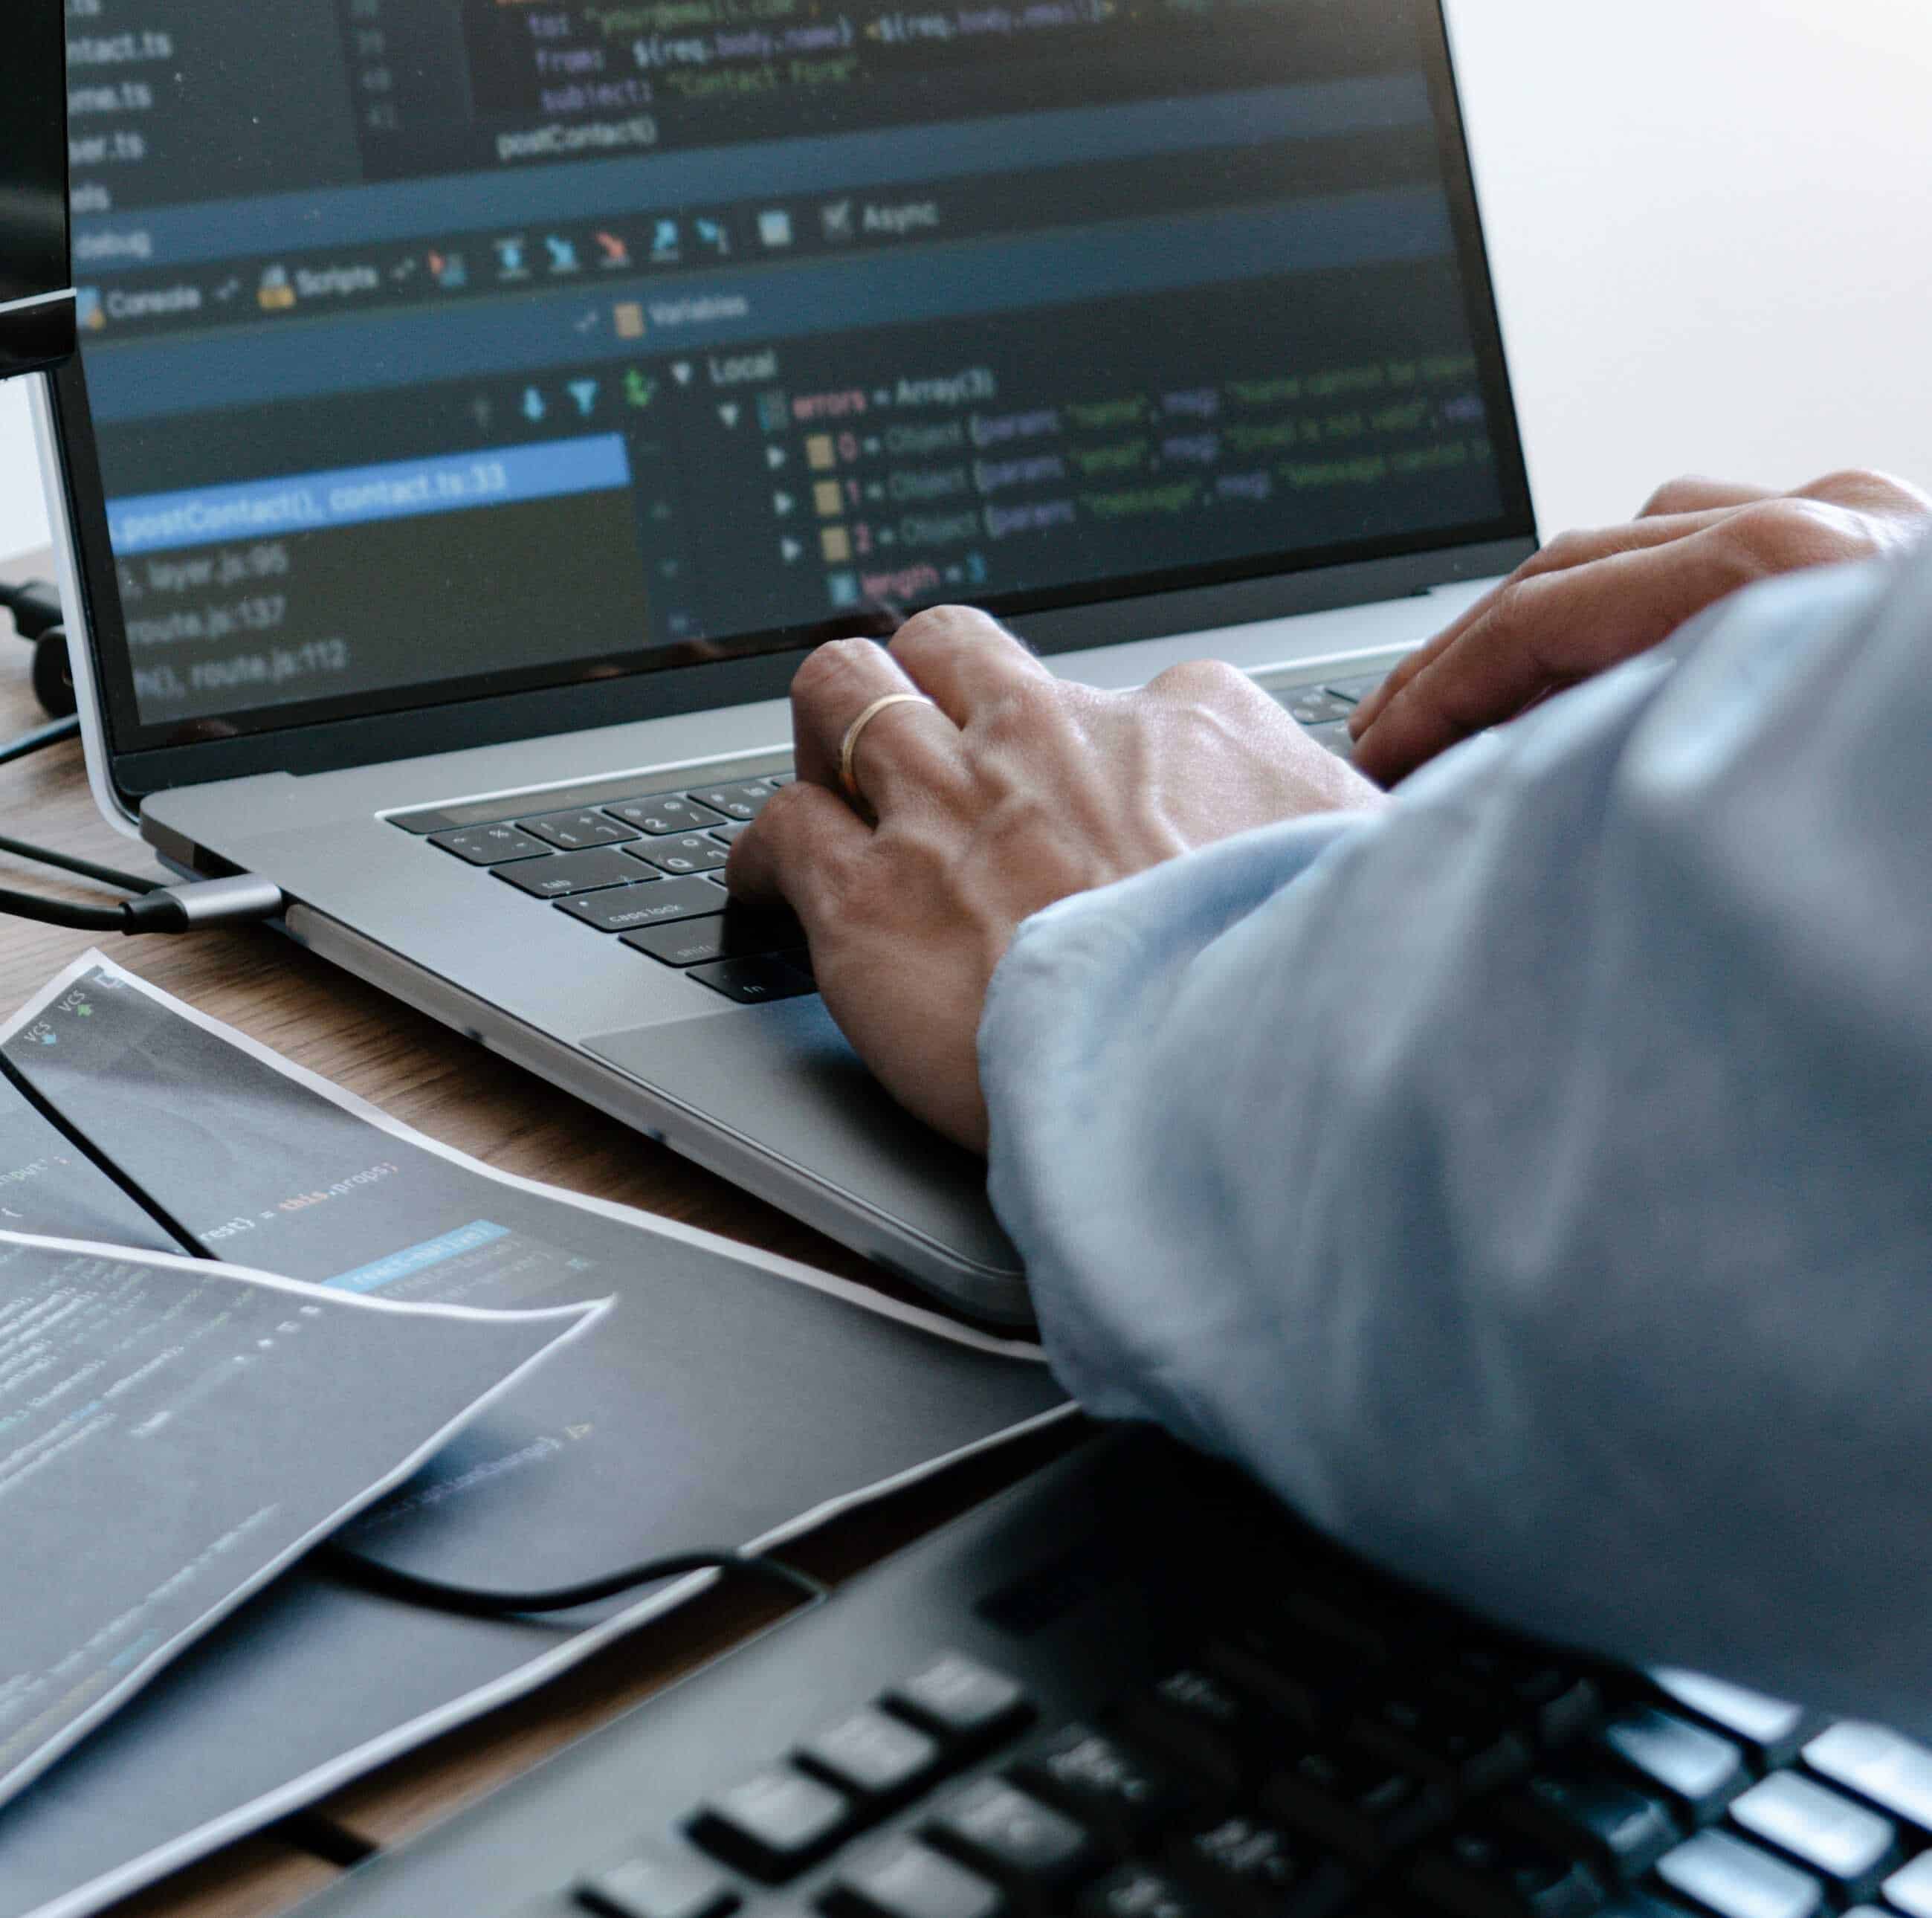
(1588, 601)
(1011, 791)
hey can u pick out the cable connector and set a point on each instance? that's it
(201, 903)
(36, 607)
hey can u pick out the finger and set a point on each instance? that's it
(903, 745)
(798, 851)
(962, 658)
(1694, 493)
(1545, 631)
(1567, 551)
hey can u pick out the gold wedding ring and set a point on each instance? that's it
(849, 745)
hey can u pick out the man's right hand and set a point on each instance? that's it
(1589, 601)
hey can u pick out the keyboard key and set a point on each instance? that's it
(1771, 1730)
(739, 803)
(737, 932)
(649, 902)
(489, 845)
(872, 1755)
(1460, 1741)
(1559, 1702)
(1730, 1879)
(961, 1701)
(660, 1888)
(1356, 689)
(1333, 737)
(565, 873)
(907, 1880)
(1106, 1784)
(1892, 1772)
(752, 982)
(1356, 1804)
(1002, 1831)
(1211, 1727)
(773, 1825)
(684, 852)
(1310, 706)
(1618, 1831)
(572, 832)
(665, 814)
(1910, 1890)
(1246, 1866)
(1697, 1772)
(1489, 1872)
(726, 835)
(1139, 1891)
(1851, 1848)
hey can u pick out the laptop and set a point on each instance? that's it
(482, 405)
(36, 310)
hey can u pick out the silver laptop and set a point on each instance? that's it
(482, 406)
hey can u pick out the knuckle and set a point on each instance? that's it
(1199, 679)
(829, 666)
(1566, 549)
(1674, 496)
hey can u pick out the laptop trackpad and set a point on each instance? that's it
(783, 1077)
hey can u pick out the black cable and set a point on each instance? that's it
(108, 875)
(40, 739)
(473, 1602)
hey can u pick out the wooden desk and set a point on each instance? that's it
(430, 1079)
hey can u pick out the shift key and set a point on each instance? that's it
(651, 904)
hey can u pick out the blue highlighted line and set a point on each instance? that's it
(403, 489)
(413, 1259)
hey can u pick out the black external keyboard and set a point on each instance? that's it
(1131, 1688)
(648, 867)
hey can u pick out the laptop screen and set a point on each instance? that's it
(436, 348)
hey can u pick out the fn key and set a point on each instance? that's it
(753, 981)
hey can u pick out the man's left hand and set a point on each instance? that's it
(1011, 790)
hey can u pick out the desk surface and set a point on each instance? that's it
(428, 1077)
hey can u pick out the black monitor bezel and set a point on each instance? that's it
(1071, 619)
(37, 307)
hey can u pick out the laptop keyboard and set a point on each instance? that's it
(648, 868)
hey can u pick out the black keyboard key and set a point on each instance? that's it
(1771, 1730)
(753, 982)
(1443, 1732)
(1139, 1891)
(907, 1880)
(650, 902)
(566, 873)
(1011, 1836)
(660, 1888)
(775, 1824)
(1559, 1702)
(1697, 1772)
(1106, 1784)
(737, 932)
(574, 831)
(1360, 1805)
(665, 814)
(1851, 1848)
(874, 1756)
(684, 852)
(1310, 706)
(739, 802)
(490, 846)
(961, 1701)
(1729, 1879)
(1211, 1727)
(1619, 1832)
(1894, 1773)
(1490, 1871)
(1910, 1891)
(1295, 1668)
(1246, 1866)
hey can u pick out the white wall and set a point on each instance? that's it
(1711, 222)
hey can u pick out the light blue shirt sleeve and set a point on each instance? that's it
(1532, 1182)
